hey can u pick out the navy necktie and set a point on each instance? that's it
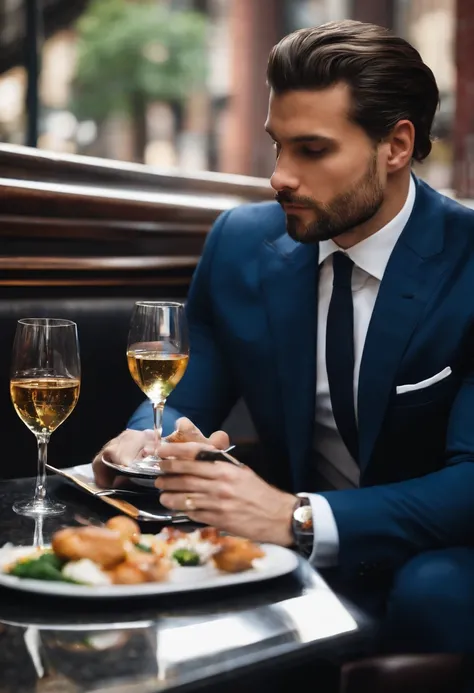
(340, 352)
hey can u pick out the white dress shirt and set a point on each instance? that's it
(333, 459)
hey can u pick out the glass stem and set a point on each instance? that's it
(40, 490)
(158, 424)
(38, 540)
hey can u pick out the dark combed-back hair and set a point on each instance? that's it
(388, 79)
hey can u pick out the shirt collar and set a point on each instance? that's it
(373, 253)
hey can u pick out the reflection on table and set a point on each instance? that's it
(158, 643)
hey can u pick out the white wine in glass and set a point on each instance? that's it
(157, 355)
(44, 387)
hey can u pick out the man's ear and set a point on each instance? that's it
(401, 143)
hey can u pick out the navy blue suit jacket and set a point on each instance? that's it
(252, 311)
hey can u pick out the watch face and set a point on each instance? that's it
(304, 515)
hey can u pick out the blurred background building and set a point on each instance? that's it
(181, 83)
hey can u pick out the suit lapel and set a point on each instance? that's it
(289, 284)
(411, 276)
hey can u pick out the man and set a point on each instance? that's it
(350, 337)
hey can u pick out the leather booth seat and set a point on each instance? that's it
(108, 393)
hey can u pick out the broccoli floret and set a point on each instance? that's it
(44, 567)
(186, 557)
(143, 547)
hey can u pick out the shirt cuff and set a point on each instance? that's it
(326, 536)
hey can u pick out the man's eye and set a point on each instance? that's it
(313, 153)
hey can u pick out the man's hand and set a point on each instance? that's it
(130, 445)
(233, 499)
(187, 432)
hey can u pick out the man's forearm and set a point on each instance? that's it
(389, 524)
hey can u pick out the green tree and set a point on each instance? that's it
(132, 52)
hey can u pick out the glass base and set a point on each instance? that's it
(40, 508)
(150, 463)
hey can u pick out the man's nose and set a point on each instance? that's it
(283, 179)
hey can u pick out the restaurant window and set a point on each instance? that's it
(168, 83)
(134, 80)
(13, 78)
(430, 26)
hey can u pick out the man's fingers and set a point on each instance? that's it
(204, 470)
(127, 447)
(121, 450)
(220, 440)
(182, 482)
(186, 432)
(186, 427)
(182, 451)
(205, 517)
(189, 502)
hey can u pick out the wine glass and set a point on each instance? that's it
(44, 387)
(157, 355)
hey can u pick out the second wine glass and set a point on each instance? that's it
(44, 387)
(157, 355)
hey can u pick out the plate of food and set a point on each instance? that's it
(116, 560)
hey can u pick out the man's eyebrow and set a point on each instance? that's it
(303, 138)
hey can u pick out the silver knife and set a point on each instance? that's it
(124, 506)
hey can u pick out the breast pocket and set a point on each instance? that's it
(438, 387)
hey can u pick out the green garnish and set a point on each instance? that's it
(143, 547)
(186, 557)
(45, 567)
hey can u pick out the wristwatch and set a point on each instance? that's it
(302, 527)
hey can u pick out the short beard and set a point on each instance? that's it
(344, 213)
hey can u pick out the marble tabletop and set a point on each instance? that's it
(163, 643)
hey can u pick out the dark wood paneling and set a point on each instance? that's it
(32, 164)
(70, 221)
(96, 264)
(86, 229)
(30, 198)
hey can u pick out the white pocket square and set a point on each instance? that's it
(401, 389)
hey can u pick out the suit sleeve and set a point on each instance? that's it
(389, 524)
(206, 392)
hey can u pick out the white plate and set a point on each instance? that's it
(85, 470)
(277, 561)
(137, 470)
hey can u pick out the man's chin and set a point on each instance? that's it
(296, 229)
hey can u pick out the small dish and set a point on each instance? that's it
(142, 469)
(137, 470)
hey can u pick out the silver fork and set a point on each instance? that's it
(121, 492)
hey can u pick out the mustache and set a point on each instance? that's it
(284, 197)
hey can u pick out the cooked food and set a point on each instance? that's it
(125, 526)
(140, 567)
(101, 545)
(236, 554)
(127, 574)
(85, 572)
(118, 554)
(46, 566)
(210, 534)
(186, 557)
